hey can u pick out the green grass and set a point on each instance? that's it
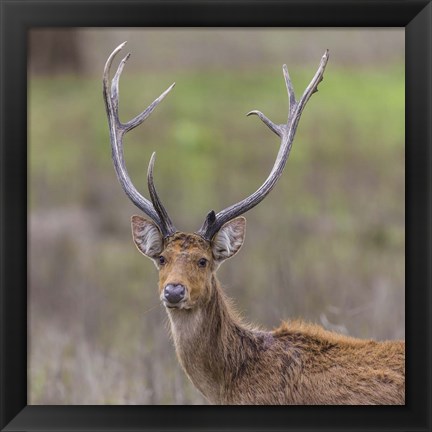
(356, 117)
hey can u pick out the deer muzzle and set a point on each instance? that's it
(173, 295)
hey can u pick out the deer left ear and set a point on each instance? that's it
(147, 237)
(229, 239)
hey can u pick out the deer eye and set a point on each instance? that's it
(162, 260)
(202, 262)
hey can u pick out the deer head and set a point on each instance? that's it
(187, 261)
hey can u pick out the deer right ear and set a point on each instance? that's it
(147, 237)
(229, 239)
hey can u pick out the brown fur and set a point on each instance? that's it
(298, 363)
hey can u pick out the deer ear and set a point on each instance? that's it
(147, 237)
(229, 239)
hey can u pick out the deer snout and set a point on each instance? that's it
(174, 293)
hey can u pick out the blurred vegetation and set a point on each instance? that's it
(327, 245)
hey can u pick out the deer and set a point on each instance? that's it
(229, 361)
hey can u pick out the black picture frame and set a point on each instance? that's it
(17, 17)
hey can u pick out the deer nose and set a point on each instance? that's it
(174, 293)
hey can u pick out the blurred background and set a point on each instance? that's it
(327, 245)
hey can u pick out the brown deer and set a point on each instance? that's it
(227, 360)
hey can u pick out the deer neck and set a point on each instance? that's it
(209, 341)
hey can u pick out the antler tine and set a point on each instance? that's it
(167, 225)
(286, 132)
(155, 209)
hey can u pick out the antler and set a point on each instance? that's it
(286, 132)
(155, 210)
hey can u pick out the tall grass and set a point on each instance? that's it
(327, 245)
